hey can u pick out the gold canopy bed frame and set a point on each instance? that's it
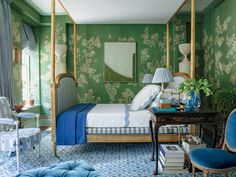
(55, 83)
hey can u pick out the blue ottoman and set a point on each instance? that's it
(64, 169)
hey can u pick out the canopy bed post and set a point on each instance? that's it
(75, 40)
(192, 67)
(75, 52)
(193, 19)
(167, 45)
(53, 85)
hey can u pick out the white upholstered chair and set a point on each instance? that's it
(13, 138)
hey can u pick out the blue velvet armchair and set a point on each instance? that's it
(223, 161)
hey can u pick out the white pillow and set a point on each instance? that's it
(144, 97)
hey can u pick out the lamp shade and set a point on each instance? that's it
(162, 75)
(147, 78)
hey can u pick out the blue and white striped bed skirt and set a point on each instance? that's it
(136, 130)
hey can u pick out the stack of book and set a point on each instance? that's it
(158, 110)
(171, 159)
(164, 103)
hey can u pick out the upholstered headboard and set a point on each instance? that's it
(178, 79)
(66, 92)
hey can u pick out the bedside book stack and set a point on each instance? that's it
(171, 109)
(171, 159)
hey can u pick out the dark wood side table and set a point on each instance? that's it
(200, 117)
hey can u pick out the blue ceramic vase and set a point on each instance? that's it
(194, 100)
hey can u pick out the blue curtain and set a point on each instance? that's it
(6, 50)
(28, 39)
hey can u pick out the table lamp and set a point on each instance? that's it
(161, 76)
(147, 78)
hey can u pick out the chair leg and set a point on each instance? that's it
(205, 174)
(17, 148)
(39, 150)
(193, 170)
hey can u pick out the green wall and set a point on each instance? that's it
(150, 50)
(16, 29)
(216, 49)
(180, 32)
(18, 18)
(219, 44)
(45, 47)
(151, 54)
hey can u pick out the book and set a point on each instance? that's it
(164, 105)
(171, 159)
(170, 151)
(170, 167)
(175, 171)
(164, 170)
(188, 147)
(171, 164)
(171, 109)
(165, 101)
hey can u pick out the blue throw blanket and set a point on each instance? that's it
(71, 125)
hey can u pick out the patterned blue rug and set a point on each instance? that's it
(110, 159)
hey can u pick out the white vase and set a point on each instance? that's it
(184, 66)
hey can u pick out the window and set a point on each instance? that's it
(26, 88)
(30, 67)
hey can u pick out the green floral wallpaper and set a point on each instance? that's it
(219, 44)
(16, 29)
(216, 52)
(151, 53)
(45, 50)
(17, 25)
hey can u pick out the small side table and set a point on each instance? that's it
(160, 119)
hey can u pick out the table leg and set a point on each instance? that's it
(156, 130)
(153, 142)
(214, 135)
(200, 130)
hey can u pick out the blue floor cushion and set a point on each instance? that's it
(213, 158)
(64, 169)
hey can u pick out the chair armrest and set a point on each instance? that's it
(27, 115)
(7, 121)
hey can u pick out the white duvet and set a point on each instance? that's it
(117, 115)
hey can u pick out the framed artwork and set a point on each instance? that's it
(120, 61)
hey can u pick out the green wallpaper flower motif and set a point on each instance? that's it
(45, 56)
(17, 26)
(220, 46)
(17, 82)
(151, 54)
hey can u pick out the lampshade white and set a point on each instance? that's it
(162, 75)
(147, 78)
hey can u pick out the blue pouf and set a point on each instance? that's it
(65, 169)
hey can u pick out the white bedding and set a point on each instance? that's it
(117, 115)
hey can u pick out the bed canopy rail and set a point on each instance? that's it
(168, 45)
(55, 83)
(193, 34)
(54, 107)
